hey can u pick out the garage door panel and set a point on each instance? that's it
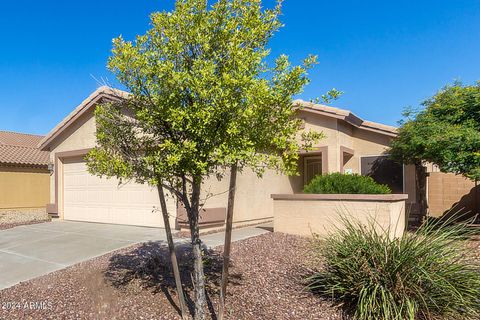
(95, 214)
(96, 196)
(90, 198)
(74, 181)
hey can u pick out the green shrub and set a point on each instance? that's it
(345, 183)
(426, 274)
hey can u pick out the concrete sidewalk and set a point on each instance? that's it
(27, 252)
(218, 239)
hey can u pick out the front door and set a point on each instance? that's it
(312, 167)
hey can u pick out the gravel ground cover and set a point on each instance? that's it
(475, 246)
(10, 218)
(135, 283)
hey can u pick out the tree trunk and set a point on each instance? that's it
(198, 276)
(173, 256)
(421, 177)
(228, 240)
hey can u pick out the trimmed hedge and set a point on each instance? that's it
(338, 183)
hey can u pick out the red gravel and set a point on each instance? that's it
(135, 283)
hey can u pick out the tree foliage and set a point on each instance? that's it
(202, 98)
(446, 132)
(199, 82)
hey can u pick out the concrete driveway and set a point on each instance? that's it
(30, 251)
(27, 252)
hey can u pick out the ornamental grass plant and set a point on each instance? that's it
(426, 274)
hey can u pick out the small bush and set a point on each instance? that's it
(423, 275)
(345, 183)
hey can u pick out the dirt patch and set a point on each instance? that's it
(136, 282)
(10, 218)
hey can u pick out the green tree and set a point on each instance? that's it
(202, 98)
(445, 132)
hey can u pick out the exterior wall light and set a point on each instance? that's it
(51, 167)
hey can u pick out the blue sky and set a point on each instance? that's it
(385, 55)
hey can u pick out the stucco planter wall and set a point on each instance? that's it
(305, 214)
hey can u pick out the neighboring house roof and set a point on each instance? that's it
(347, 116)
(106, 92)
(21, 149)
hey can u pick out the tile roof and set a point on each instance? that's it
(347, 116)
(21, 149)
(89, 102)
(111, 93)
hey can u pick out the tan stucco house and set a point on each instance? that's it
(24, 175)
(351, 145)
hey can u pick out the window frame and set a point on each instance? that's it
(380, 155)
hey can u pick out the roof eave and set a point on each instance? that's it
(348, 117)
(99, 94)
(24, 165)
(110, 93)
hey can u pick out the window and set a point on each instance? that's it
(384, 171)
(312, 167)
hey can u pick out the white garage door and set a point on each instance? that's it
(90, 198)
